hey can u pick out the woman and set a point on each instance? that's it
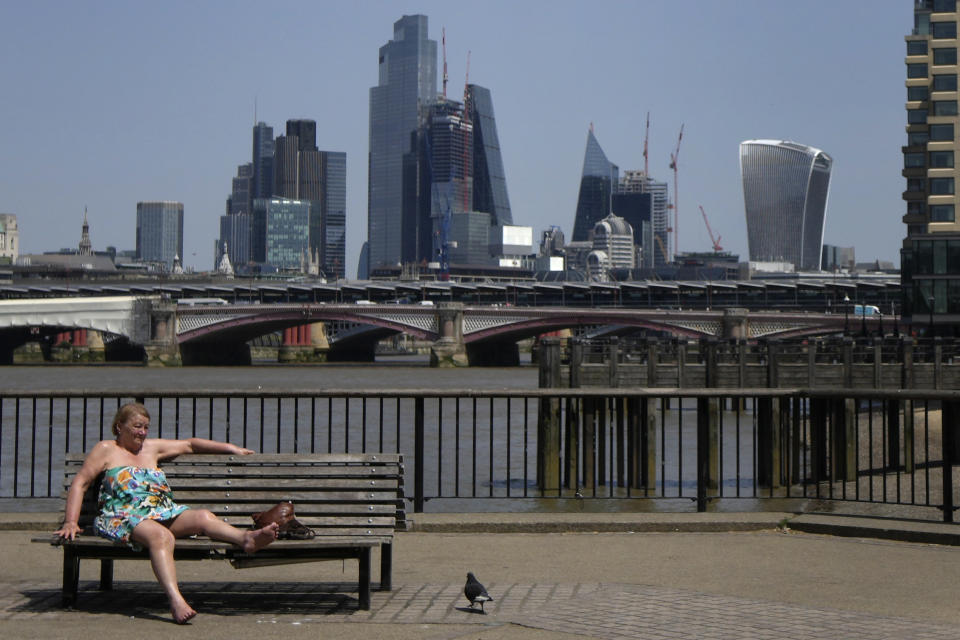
(136, 504)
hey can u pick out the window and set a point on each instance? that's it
(915, 94)
(941, 213)
(917, 70)
(923, 256)
(941, 132)
(941, 159)
(943, 30)
(916, 116)
(914, 160)
(917, 138)
(916, 47)
(915, 185)
(945, 107)
(916, 208)
(946, 55)
(916, 230)
(941, 186)
(953, 256)
(940, 257)
(945, 82)
(944, 6)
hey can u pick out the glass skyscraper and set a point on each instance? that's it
(285, 225)
(159, 231)
(489, 178)
(334, 172)
(785, 188)
(598, 183)
(262, 161)
(407, 80)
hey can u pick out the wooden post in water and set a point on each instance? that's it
(891, 413)
(844, 439)
(571, 425)
(819, 409)
(589, 444)
(950, 427)
(643, 426)
(548, 427)
(652, 358)
(712, 406)
(768, 442)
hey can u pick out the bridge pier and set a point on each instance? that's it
(304, 343)
(156, 330)
(449, 351)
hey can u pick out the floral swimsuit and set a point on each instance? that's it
(130, 495)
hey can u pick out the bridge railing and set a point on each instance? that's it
(888, 452)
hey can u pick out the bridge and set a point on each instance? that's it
(171, 333)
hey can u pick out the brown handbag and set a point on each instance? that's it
(289, 527)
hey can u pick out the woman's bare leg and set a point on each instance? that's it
(159, 541)
(201, 521)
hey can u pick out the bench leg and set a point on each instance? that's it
(386, 567)
(106, 575)
(71, 577)
(365, 578)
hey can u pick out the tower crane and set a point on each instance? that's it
(646, 137)
(676, 205)
(715, 240)
(443, 39)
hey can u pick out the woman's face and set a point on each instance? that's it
(136, 427)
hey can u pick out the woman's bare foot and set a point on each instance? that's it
(259, 538)
(182, 612)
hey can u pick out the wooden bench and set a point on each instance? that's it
(353, 502)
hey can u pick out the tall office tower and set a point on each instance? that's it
(240, 199)
(612, 248)
(333, 169)
(929, 259)
(448, 169)
(283, 225)
(306, 133)
(407, 80)
(262, 161)
(235, 232)
(160, 232)
(9, 238)
(656, 247)
(785, 188)
(286, 164)
(598, 182)
(489, 177)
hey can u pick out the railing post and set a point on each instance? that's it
(652, 358)
(818, 439)
(892, 414)
(951, 452)
(937, 363)
(844, 439)
(707, 452)
(418, 446)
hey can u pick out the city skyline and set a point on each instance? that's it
(84, 105)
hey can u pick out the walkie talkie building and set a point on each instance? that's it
(785, 188)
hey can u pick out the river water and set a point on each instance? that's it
(398, 372)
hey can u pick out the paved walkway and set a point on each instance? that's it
(742, 579)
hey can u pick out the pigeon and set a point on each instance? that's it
(476, 592)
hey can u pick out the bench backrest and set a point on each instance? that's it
(334, 494)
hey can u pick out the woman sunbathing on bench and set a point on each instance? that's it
(136, 503)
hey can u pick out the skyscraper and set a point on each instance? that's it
(930, 255)
(333, 169)
(159, 231)
(656, 244)
(489, 177)
(598, 182)
(262, 161)
(407, 80)
(785, 188)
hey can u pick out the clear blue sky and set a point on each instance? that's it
(104, 104)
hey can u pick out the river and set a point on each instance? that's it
(395, 372)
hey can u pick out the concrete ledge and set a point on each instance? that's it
(880, 528)
(592, 522)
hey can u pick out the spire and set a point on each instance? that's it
(85, 249)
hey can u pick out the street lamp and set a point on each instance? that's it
(846, 314)
(896, 328)
(930, 300)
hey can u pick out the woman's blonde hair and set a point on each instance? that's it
(126, 412)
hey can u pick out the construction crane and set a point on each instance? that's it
(646, 137)
(676, 206)
(663, 249)
(715, 240)
(443, 39)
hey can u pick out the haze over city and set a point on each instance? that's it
(107, 104)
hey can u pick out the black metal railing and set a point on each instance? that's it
(550, 449)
